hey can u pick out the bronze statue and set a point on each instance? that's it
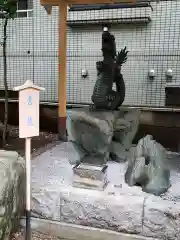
(109, 72)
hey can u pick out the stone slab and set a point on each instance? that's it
(95, 209)
(118, 207)
(162, 219)
(50, 171)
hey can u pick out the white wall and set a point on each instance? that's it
(151, 45)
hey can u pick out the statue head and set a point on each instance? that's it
(108, 43)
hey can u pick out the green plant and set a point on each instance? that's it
(8, 10)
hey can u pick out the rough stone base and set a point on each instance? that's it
(117, 213)
(119, 207)
(97, 136)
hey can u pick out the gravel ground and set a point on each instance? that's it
(35, 236)
(39, 144)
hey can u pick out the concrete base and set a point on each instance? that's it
(74, 232)
(118, 208)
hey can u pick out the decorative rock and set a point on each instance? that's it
(147, 167)
(91, 133)
(161, 219)
(12, 191)
(118, 213)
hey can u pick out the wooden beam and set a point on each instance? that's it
(62, 69)
(97, 1)
(57, 2)
(48, 9)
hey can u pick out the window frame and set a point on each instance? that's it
(24, 12)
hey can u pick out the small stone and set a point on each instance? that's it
(111, 193)
(118, 185)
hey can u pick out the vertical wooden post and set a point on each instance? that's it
(28, 187)
(62, 70)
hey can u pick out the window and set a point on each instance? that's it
(24, 8)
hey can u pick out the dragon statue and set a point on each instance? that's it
(109, 72)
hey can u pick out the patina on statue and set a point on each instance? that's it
(109, 72)
(101, 131)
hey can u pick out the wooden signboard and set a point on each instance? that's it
(28, 127)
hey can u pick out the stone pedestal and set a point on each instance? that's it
(97, 137)
(90, 176)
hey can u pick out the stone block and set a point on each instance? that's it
(45, 204)
(97, 134)
(92, 132)
(161, 219)
(95, 209)
(119, 207)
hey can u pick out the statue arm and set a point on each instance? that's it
(118, 81)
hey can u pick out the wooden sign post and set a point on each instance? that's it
(28, 128)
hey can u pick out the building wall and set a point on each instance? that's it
(152, 45)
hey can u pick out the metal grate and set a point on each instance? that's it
(150, 32)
